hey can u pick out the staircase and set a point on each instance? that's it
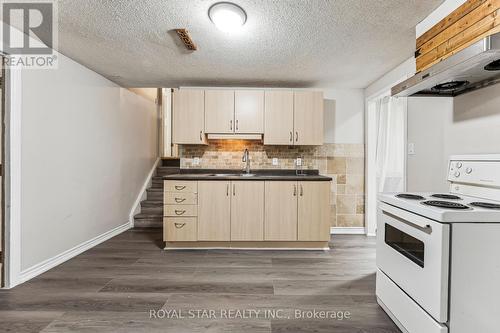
(151, 215)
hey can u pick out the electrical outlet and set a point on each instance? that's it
(196, 161)
(411, 149)
(299, 161)
(275, 161)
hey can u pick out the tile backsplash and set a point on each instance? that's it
(343, 162)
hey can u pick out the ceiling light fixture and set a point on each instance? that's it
(227, 16)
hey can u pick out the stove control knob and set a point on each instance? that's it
(457, 174)
(459, 165)
(468, 171)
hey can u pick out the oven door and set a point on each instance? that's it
(413, 252)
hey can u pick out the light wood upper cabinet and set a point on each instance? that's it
(219, 111)
(249, 111)
(293, 118)
(281, 211)
(314, 211)
(214, 211)
(278, 114)
(188, 116)
(308, 118)
(247, 211)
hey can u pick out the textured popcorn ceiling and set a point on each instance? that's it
(336, 43)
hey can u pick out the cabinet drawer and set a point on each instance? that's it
(179, 229)
(180, 186)
(180, 210)
(172, 198)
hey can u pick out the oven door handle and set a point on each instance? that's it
(409, 218)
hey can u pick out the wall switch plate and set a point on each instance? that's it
(411, 149)
(196, 161)
(299, 161)
(275, 161)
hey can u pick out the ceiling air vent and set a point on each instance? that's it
(186, 39)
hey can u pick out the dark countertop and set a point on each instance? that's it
(235, 174)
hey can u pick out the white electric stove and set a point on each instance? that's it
(438, 254)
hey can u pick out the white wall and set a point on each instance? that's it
(474, 125)
(87, 148)
(427, 117)
(441, 127)
(344, 115)
(391, 78)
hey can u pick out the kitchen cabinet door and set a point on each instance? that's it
(278, 117)
(314, 211)
(280, 223)
(247, 211)
(188, 116)
(308, 118)
(249, 111)
(214, 211)
(219, 111)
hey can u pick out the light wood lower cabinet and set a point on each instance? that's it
(180, 208)
(179, 229)
(314, 211)
(247, 211)
(214, 211)
(281, 211)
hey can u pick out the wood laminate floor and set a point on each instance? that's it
(122, 284)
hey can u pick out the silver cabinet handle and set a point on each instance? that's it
(179, 212)
(227, 190)
(179, 225)
(201, 138)
(236, 124)
(291, 136)
(179, 187)
(179, 200)
(234, 189)
(301, 190)
(296, 136)
(294, 190)
(231, 125)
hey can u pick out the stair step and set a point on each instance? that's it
(152, 210)
(156, 196)
(148, 224)
(145, 216)
(162, 171)
(152, 203)
(157, 180)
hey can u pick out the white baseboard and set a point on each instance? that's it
(347, 231)
(136, 208)
(68, 254)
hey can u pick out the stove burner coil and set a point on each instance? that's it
(485, 205)
(445, 204)
(446, 196)
(410, 196)
(493, 66)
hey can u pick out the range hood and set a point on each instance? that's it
(472, 68)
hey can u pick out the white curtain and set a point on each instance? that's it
(391, 142)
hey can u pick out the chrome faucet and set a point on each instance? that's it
(246, 158)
